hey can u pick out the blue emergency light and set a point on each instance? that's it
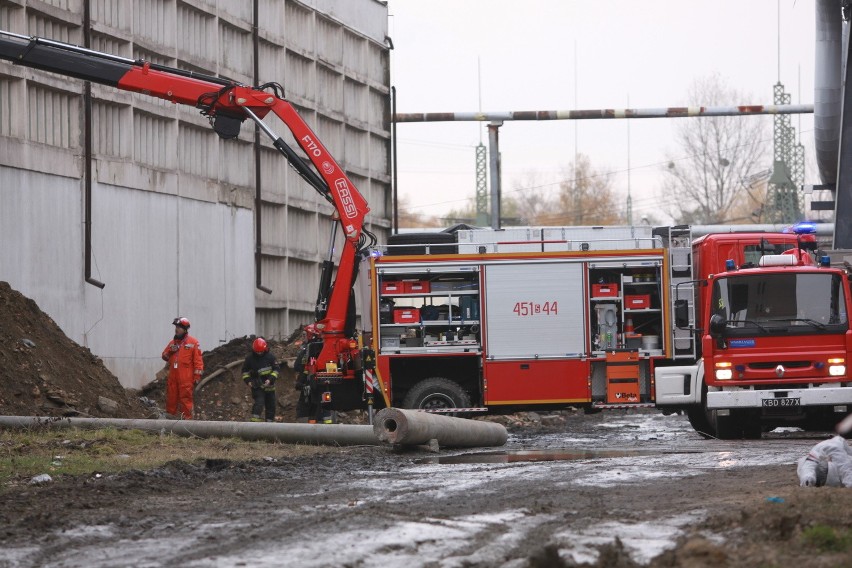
(730, 264)
(825, 261)
(804, 228)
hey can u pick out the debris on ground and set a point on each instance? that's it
(828, 463)
(41, 479)
(45, 373)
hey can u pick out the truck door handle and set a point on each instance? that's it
(525, 366)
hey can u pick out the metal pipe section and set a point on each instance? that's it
(413, 428)
(667, 112)
(827, 87)
(258, 174)
(494, 168)
(394, 171)
(323, 434)
(87, 160)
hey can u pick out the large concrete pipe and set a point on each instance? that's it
(412, 427)
(325, 434)
(827, 87)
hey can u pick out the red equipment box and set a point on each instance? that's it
(640, 302)
(604, 290)
(406, 315)
(393, 288)
(417, 287)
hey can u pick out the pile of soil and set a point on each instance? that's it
(44, 373)
(222, 394)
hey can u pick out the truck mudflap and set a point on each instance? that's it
(780, 398)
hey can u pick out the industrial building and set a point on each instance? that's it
(142, 196)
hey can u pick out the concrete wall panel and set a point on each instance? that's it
(42, 238)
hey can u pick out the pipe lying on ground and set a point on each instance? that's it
(326, 434)
(412, 428)
(216, 373)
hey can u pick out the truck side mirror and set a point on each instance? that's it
(681, 313)
(718, 324)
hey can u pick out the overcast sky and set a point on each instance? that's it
(647, 51)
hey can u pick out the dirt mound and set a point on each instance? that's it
(222, 394)
(43, 372)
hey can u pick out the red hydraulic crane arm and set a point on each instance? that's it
(227, 104)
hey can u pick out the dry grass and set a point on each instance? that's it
(24, 454)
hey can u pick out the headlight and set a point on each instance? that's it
(723, 371)
(836, 367)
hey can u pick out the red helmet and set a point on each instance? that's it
(181, 322)
(259, 346)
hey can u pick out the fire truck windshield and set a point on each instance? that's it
(795, 302)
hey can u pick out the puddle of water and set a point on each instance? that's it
(511, 456)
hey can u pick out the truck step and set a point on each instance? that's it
(622, 406)
(452, 410)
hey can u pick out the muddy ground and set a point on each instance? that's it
(666, 498)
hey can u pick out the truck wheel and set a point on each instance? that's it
(700, 422)
(727, 427)
(752, 429)
(435, 394)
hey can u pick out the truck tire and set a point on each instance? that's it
(700, 422)
(728, 427)
(436, 393)
(752, 428)
(701, 419)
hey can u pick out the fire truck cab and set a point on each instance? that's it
(773, 336)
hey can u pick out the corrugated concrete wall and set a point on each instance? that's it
(173, 220)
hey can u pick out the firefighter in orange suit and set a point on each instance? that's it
(183, 354)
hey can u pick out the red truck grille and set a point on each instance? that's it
(764, 365)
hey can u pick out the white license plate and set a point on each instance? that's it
(777, 402)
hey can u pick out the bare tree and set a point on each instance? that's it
(721, 154)
(585, 197)
(533, 199)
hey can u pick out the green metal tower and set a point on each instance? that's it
(482, 211)
(788, 168)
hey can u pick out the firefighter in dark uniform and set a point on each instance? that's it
(260, 371)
